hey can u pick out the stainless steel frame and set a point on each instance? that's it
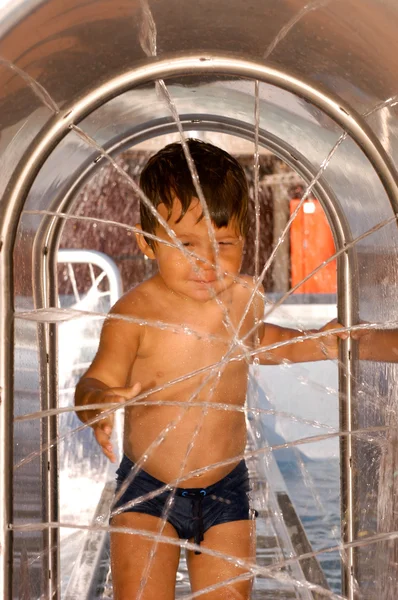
(346, 268)
(200, 64)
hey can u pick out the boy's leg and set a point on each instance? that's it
(235, 539)
(130, 554)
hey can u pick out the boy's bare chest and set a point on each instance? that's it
(201, 365)
(207, 333)
(202, 353)
(188, 342)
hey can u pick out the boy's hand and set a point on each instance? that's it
(357, 334)
(329, 342)
(103, 428)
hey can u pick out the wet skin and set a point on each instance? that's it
(186, 292)
(170, 442)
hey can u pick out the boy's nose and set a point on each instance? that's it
(206, 259)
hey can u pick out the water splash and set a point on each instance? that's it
(40, 92)
(204, 370)
(311, 6)
(222, 406)
(169, 503)
(148, 43)
(286, 229)
(185, 544)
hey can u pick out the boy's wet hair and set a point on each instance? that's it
(222, 179)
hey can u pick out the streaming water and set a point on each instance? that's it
(200, 195)
(162, 324)
(34, 85)
(148, 43)
(56, 315)
(185, 544)
(253, 567)
(216, 375)
(196, 267)
(366, 433)
(185, 332)
(311, 6)
(287, 229)
(166, 325)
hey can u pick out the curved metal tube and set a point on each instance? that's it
(172, 66)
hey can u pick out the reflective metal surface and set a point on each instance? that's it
(330, 67)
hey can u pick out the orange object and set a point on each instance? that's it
(311, 243)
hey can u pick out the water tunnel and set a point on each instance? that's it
(313, 83)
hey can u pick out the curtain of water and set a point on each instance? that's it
(187, 331)
(212, 372)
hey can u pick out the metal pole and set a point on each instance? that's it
(347, 309)
(49, 428)
(6, 416)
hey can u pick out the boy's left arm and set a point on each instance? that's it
(377, 344)
(373, 344)
(292, 345)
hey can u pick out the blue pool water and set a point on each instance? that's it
(321, 517)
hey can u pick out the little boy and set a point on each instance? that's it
(175, 437)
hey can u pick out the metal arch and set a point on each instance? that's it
(52, 230)
(150, 70)
(154, 69)
(286, 153)
(172, 66)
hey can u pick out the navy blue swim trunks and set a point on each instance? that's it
(193, 510)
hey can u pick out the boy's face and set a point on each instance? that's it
(195, 277)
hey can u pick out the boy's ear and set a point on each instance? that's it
(143, 244)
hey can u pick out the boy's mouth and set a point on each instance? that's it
(205, 281)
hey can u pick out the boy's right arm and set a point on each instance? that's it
(106, 380)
